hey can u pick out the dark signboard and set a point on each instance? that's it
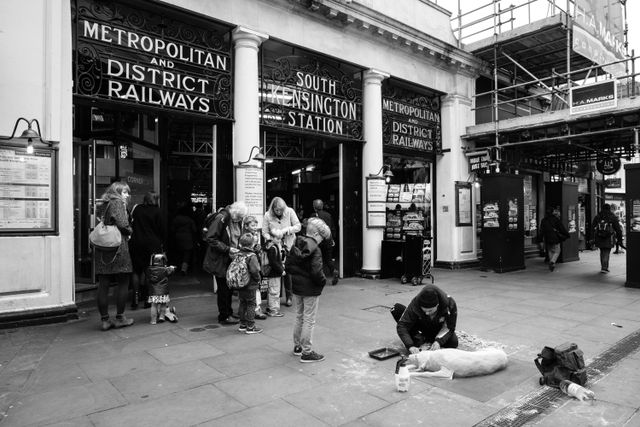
(151, 56)
(309, 93)
(593, 97)
(410, 120)
(608, 165)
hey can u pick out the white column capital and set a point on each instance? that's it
(449, 100)
(245, 37)
(373, 76)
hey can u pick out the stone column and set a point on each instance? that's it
(371, 164)
(456, 244)
(246, 112)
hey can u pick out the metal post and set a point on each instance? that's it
(636, 158)
(568, 48)
(633, 72)
(459, 25)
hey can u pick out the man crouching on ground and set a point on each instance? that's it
(429, 322)
(304, 264)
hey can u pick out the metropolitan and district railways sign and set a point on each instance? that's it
(411, 126)
(132, 64)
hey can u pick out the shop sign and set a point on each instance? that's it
(479, 162)
(613, 183)
(593, 97)
(608, 165)
(410, 121)
(598, 33)
(146, 58)
(303, 93)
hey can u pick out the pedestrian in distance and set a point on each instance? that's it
(428, 322)
(606, 232)
(281, 222)
(327, 245)
(146, 240)
(247, 294)
(273, 274)
(553, 234)
(158, 273)
(222, 237)
(114, 266)
(304, 265)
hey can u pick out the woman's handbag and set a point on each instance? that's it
(105, 237)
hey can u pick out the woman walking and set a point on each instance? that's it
(114, 266)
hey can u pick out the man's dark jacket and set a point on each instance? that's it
(217, 259)
(414, 320)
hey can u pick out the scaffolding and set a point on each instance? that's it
(531, 70)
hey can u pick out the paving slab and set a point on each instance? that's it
(277, 413)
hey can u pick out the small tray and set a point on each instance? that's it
(384, 353)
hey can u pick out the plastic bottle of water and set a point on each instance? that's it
(403, 378)
(575, 390)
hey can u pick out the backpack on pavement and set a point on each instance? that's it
(564, 362)
(238, 271)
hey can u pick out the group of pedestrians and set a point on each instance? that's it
(294, 260)
(605, 229)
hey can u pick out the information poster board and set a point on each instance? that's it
(376, 198)
(28, 196)
(634, 225)
(463, 204)
(251, 190)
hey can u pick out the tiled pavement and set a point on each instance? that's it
(196, 372)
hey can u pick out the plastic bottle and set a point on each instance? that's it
(403, 378)
(575, 390)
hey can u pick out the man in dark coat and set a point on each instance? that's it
(222, 237)
(606, 232)
(327, 245)
(553, 233)
(429, 322)
(304, 264)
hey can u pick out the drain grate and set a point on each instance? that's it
(378, 309)
(541, 400)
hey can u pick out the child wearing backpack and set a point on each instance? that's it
(250, 225)
(158, 278)
(247, 284)
(273, 270)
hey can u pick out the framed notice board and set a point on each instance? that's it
(376, 198)
(463, 204)
(28, 190)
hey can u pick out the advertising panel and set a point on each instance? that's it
(598, 33)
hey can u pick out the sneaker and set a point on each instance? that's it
(297, 350)
(275, 313)
(122, 322)
(311, 357)
(260, 316)
(254, 330)
(552, 266)
(106, 324)
(235, 316)
(153, 321)
(289, 302)
(242, 328)
(229, 321)
(604, 270)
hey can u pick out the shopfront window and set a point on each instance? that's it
(409, 199)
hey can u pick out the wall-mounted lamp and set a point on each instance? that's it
(29, 134)
(387, 174)
(258, 156)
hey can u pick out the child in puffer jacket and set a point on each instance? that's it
(158, 276)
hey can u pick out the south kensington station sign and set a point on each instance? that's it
(153, 61)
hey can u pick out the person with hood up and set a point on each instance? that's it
(429, 322)
(304, 264)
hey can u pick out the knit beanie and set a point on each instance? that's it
(428, 298)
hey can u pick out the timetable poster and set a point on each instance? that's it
(25, 189)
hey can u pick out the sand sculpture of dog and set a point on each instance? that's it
(446, 362)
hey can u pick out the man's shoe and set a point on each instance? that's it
(122, 322)
(289, 302)
(106, 324)
(242, 328)
(235, 316)
(311, 357)
(552, 266)
(297, 350)
(604, 270)
(275, 313)
(260, 316)
(254, 330)
(229, 321)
